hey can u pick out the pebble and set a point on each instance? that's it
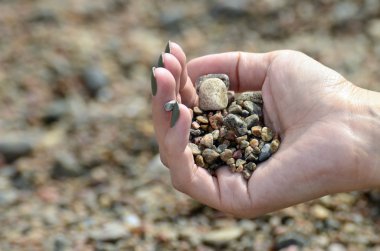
(246, 174)
(55, 111)
(235, 108)
(66, 165)
(320, 212)
(235, 123)
(255, 97)
(254, 143)
(195, 125)
(202, 119)
(222, 236)
(111, 231)
(195, 132)
(212, 94)
(250, 166)
(207, 140)
(199, 161)
(265, 153)
(256, 131)
(216, 121)
(243, 144)
(215, 134)
(12, 150)
(210, 155)
(248, 150)
(230, 161)
(274, 145)
(194, 149)
(221, 148)
(94, 79)
(266, 134)
(252, 120)
(237, 154)
(197, 110)
(226, 154)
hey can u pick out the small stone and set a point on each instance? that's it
(251, 157)
(202, 119)
(252, 120)
(240, 162)
(207, 140)
(232, 167)
(230, 161)
(197, 110)
(274, 145)
(320, 212)
(212, 94)
(246, 174)
(194, 149)
(256, 150)
(210, 155)
(239, 168)
(204, 128)
(195, 133)
(254, 143)
(235, 108)
(94, 79)
(248, 150)
(227, 154)
(248, 105)
(245, 113)
(336, 247)
(66, 165)
(244, 144)
(195, 125)
(266, 134)
(221, 148)
(231, 97)
(255, 97)
(110, 232)
(216, 121)
(250, 166)
(265, 153)
(233, 122)
(237, 154)
(215, 134)
(256, 131)
(13, 149)
(241, 138)
(199, 161)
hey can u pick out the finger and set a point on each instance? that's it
(234, 194)
(165, 92)
(246, 71)
(186, 87)
(172, 64)
(186, 176)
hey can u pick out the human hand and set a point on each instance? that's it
(313, 108)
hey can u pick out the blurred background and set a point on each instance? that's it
(79, 167)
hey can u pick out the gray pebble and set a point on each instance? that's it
(94, 79)
(255, 97)
(66, 165)
(245, 113)
(210, 155)
(12, 150)
(226, 154)
(265, 152)
(195, 133)
(235, 123)
(252, 120)
(221, 148)
(235, 108)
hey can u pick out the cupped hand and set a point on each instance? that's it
(307, 103)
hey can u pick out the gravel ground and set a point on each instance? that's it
(79, 167)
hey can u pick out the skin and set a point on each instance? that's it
(328, 126)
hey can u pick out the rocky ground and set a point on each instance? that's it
(79, 167)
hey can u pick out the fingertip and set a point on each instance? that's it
(178, 134)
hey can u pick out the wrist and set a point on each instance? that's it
(365, 126)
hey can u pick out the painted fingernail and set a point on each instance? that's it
(170, 105)
(175, 115)
(153, 82)
(167, 49)
(160, 62)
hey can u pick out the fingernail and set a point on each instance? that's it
(160, 61)
(175, 115)
(153, 82)
(167, 49)
(169, 105)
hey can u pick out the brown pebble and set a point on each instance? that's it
(226, 154)
(207, 140)
(274, 145)
(256, 131)
(266, 134)
(216, 120)
(210, 155)
(194, 149)
(204, 128)
(199, 161)
(253, 143)
(241, 138)
(195, 125)
(202, 119)
(197, 110)
(246, 174)
(232, 168)
(237, 154)
(256, 150)
(248, 150)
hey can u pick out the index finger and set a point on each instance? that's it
(246, 71)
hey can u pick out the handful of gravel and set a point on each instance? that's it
(228, 129)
